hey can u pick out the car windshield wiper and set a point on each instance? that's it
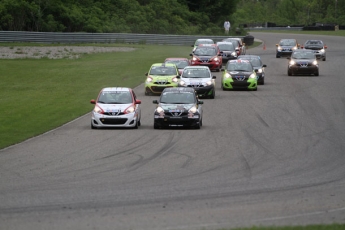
(101, 102)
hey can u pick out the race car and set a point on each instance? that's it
(207, 55)
(161, 76)
(303, 62)
(200, 78)
(239, 74)
(116, 107)
(178, 107)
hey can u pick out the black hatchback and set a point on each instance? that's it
(303, 62)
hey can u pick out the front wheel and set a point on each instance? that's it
(316, 73)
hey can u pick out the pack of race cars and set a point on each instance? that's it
(181, 82)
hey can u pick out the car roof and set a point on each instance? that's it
(164, 64)
(176, 58)
(117, 89)
(178, 89)
(239, 61)
(207, 45)
(197, 67)
(204, 39)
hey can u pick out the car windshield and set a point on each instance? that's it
(226, 47)
(240, 67)
(234, 41)
(196, 73)
(254, 61)
(303, 55)
(203, 51)
(115, 97)
(179, 63)
(177, 98)
(163, 70)
(287, 43)
(203, 42)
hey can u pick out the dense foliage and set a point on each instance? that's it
(125, 16)
(290, 12)
(162, 16)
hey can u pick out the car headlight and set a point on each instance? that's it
(182, 83)
(292, 62)
(315, 62)
(98, 110)
(322, 50)
(159, 109)
(279, 48)
(253, 76)
(192, 110)
(209, 83)
(260, 70)
(234, 54)
(194, 59)
(149, 79)
(295, 48)
(227, 75)
(130, 109)
(216, 59)
(175, 79)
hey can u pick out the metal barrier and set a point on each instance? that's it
(53, 37)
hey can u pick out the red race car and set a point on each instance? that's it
(207, 55)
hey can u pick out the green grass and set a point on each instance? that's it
(39, 95)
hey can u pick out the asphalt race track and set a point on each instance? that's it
(271, 157)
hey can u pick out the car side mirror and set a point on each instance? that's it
(277, 45)
(191, 55)
(178, 76)
(264, 65)
(256, 70)
(93, 101)
(137, 101)
(288, 58)
(222, 69)
(146, 74)
(213, 77)
(200, 102)
(155, 102)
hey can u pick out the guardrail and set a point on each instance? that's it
(53, 37)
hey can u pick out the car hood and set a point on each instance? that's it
(162, 77)
(202, 57)
(313, 47)
(113, 107)
(173, 107)
(193, 79)
(235, 73)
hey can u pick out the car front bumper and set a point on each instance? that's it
(183, 121)
(303, 70)
(230, 84)
(106, 121)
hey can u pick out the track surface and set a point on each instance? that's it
(271, 157)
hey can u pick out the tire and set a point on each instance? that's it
(324, 59)
(136, 125)
(198, 126)
(213, 94)
(139, 122)
(277, 56)
(93, 127)
(262, 81)
(155, 126)
(316, 73)
(289, 73)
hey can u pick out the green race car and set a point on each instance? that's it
(239, 74)
(161, 76)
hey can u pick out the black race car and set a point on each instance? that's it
(303, 62)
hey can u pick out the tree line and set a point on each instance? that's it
(162, 16)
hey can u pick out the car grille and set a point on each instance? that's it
(110, 121)
(176, 114)
(114, 113)
(196, 85)
(162, 82)
(287, 49)
(303, 64)
(240, 84)
(240, 78)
